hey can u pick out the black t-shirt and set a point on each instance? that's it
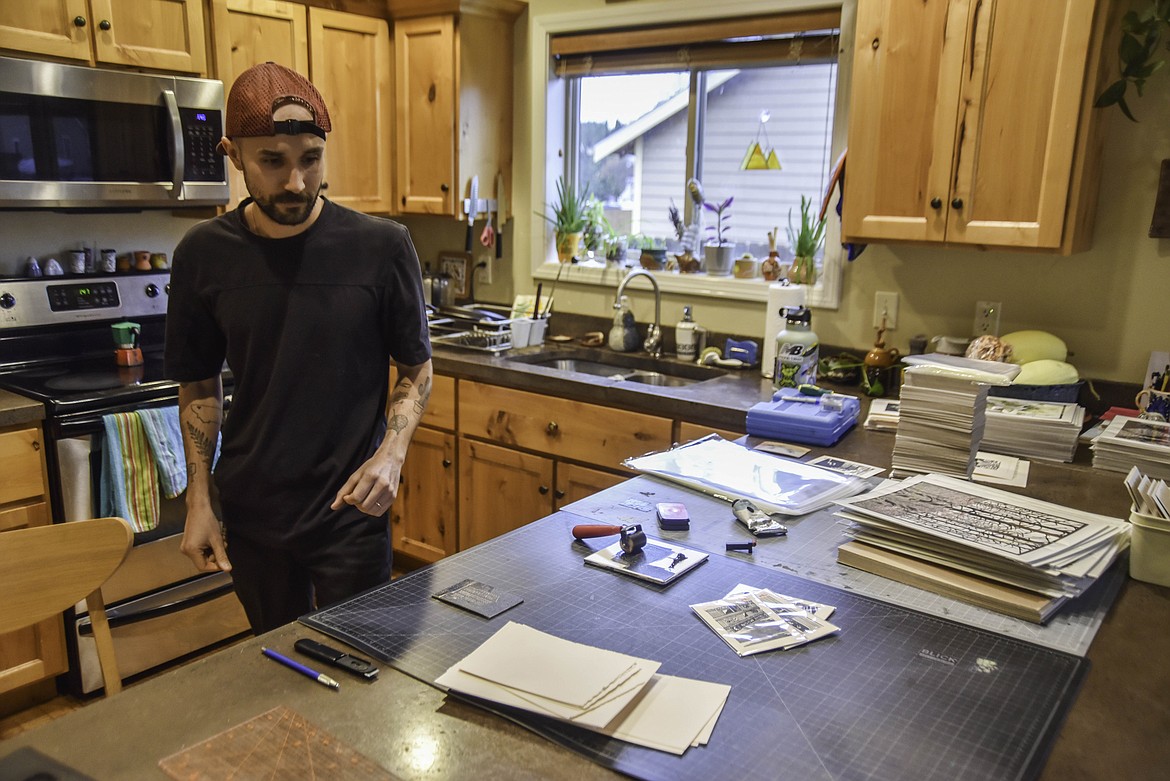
(307, 325)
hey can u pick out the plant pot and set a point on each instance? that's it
(803, 271)
(719, 259)
(568, 245)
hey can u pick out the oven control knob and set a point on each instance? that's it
(167, 289)
(7, 301)
(152, 290)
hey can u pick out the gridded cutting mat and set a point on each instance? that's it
(279, 745)
(896, 695)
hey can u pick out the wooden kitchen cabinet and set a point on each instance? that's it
(453, 108)
(688, 432)
(574, 482)
(500, 489)
(166, 35)
(971, 122)
(35, 654)
(347, 57)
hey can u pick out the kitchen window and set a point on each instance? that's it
(647, 109)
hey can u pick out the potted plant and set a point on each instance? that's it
(721, 255)
(805, 244)
(569, 218)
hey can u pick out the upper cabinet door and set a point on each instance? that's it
(427, 112)
(349, 62)
(163, 35)
(248, 32)
(964, 121)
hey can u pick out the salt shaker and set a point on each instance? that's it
(32, 267)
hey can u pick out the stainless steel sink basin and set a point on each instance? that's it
(642, 369)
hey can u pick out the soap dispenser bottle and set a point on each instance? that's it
(623, 335)
(686, 336)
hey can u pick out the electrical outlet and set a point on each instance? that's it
(484, 264)
(885, 304)
(986, 318)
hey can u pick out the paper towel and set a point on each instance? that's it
(779, 296)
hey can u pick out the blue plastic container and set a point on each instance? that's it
(793, 417)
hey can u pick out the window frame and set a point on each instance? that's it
(550, 118)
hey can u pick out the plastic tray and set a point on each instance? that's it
(808, 422)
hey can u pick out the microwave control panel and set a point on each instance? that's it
(202, 131)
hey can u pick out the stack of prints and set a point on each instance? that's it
(957, 538)
(940, 424)
(883, 415)
(1130, 442)
(1033, 429)
(753, 620)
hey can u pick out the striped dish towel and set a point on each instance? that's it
(166, 445)
(129, 484)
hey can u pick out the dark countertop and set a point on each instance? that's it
(16, 410)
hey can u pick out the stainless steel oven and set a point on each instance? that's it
(56, 347)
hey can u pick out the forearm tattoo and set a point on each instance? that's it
(398, 423)
(424, 395)
(202, 424)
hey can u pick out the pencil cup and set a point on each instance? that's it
(1149, 549)
(521, 331)
(1153, 402)
(536, 335)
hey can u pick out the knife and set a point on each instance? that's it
(501, 214)
(472, 208)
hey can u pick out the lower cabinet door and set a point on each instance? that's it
(422, 520)
(577, 482)
(500, 489)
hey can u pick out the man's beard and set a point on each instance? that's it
(271, 210)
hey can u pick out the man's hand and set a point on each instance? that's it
(203, 542)
(373, 487)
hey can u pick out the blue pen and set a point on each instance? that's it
(324, 680)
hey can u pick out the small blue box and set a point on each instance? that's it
(794, 417)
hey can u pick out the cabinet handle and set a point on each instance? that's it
(444, 187)
(36, 445)
(104, 24)
(446, 462)
(552, 427)
(936, 203)
(79, 21)
(404, 200)
(431, 94)
(957, 203)
(559, 494)
(543, 490)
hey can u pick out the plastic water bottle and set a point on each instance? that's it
(797, 350)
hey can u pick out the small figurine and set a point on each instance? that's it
(770, 268)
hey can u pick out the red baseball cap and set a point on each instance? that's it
(262, 89)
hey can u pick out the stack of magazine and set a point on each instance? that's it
(1129, 442)
(1033, 429)
(940, 423)
(992, 548)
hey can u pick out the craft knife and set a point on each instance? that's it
(324, 653)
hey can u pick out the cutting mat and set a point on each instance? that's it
(280, 745)
(898, 694)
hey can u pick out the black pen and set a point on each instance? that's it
(320, 678)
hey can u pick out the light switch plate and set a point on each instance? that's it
(885, 303)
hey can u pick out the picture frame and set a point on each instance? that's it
(455, 265)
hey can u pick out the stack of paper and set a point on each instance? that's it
(974, 531)
(1130, 442)
(752, 620)
(604, 691)
(1033, 429)
(940, 423)
(1150, 496)
(883, 415)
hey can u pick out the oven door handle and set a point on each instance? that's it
(164, 603)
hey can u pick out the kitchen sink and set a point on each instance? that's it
(642, 369)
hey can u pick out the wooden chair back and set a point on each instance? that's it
(44, 570)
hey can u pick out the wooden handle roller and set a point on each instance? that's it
(584, 531)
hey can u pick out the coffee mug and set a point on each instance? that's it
(1153, 403)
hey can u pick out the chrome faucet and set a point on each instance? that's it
(653, 343)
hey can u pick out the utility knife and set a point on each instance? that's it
(332, 656)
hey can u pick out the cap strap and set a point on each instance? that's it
(294, 127)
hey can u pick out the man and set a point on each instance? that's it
(308, 302)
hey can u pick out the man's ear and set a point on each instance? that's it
(232, 152)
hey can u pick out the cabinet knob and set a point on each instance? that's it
(559, 494)
(543, 490)
(444, 187)
(936, 203)
(446, 462)
(957, 203)
(431, 93)
(79, 21)
(104, 24)
(36, 445)
(552, 427)
(404, 200)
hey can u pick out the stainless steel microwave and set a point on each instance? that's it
(75, 138)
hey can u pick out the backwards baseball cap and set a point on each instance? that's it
(262, 89)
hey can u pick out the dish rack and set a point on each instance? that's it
(489, 336)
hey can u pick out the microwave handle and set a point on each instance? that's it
(177, 150)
